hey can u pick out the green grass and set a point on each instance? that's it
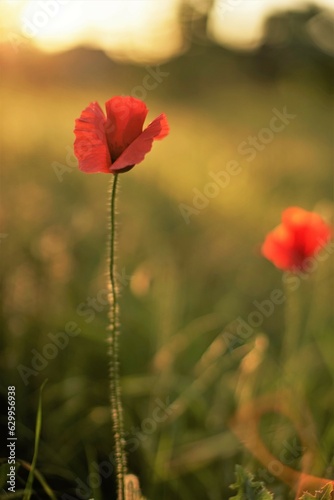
(188, 283)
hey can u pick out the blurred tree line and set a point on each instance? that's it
(297, 44)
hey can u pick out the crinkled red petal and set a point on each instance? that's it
(90, 145)
(135, 153)
(125, 119)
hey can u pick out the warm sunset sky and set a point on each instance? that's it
(136, 28)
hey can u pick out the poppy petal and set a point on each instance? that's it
(137, 150)
(164, 127)
(318, 239)
(90, 145)
(311, 232)
(278, 246)
(125, 119)
(299, 237)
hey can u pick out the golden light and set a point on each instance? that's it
(144, 27)
(240, 23)
(135, 29)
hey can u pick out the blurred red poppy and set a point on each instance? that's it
(115, 143)
(300, 236)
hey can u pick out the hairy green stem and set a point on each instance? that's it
(114, 365)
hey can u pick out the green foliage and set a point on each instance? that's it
(32, 472)
(326, 493)
(183, 285)
(247, 488)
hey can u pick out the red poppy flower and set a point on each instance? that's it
(117, 142)
(300, 236)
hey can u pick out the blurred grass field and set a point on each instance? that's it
(183, 284)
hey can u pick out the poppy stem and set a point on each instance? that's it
(292, 332)
(114, 364)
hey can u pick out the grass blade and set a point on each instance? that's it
(28, 488)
